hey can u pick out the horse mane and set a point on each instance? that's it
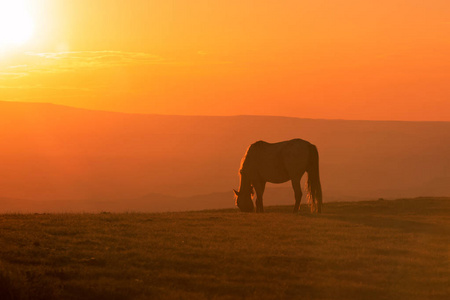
(245, 164)
(247, 161)
(243, 161)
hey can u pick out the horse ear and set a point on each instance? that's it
(236, 192)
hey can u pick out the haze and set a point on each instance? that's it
(57, 158)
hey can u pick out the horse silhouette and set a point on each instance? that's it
(277, 163)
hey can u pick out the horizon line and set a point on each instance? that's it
(221, 116)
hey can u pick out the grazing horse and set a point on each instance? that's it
(277, 163)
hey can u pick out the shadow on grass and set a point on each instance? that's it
(407, 215)
(407, 226)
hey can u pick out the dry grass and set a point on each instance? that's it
(366, 250)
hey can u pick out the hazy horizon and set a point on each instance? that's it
(231, 115)
(60, 153)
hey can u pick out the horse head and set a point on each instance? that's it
(244, 201)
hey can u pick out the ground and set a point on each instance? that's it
(354, 250)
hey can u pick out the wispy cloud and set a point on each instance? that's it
(42, 87)
(77, 60)
(72, 61)
(12, 75)
(54, 70)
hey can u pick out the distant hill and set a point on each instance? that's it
(55, 153)
(152, 203)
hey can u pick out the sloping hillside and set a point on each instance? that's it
(354, 250)
(50, 152)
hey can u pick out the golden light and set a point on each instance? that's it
(16, 24)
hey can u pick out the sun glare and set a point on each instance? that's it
(16, 24)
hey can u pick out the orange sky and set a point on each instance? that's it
(345, 59)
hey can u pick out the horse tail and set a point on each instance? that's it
(313, 185)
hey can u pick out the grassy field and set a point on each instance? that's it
(364, 250)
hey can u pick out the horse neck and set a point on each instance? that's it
(245, 185)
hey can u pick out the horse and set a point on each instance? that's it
(277, 163)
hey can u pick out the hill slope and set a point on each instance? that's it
(50, 152)
(360, 250)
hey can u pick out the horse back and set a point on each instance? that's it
(279, 162)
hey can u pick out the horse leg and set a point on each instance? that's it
(297, 192)
(259, 189)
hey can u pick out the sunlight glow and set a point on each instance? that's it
(16, 24)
